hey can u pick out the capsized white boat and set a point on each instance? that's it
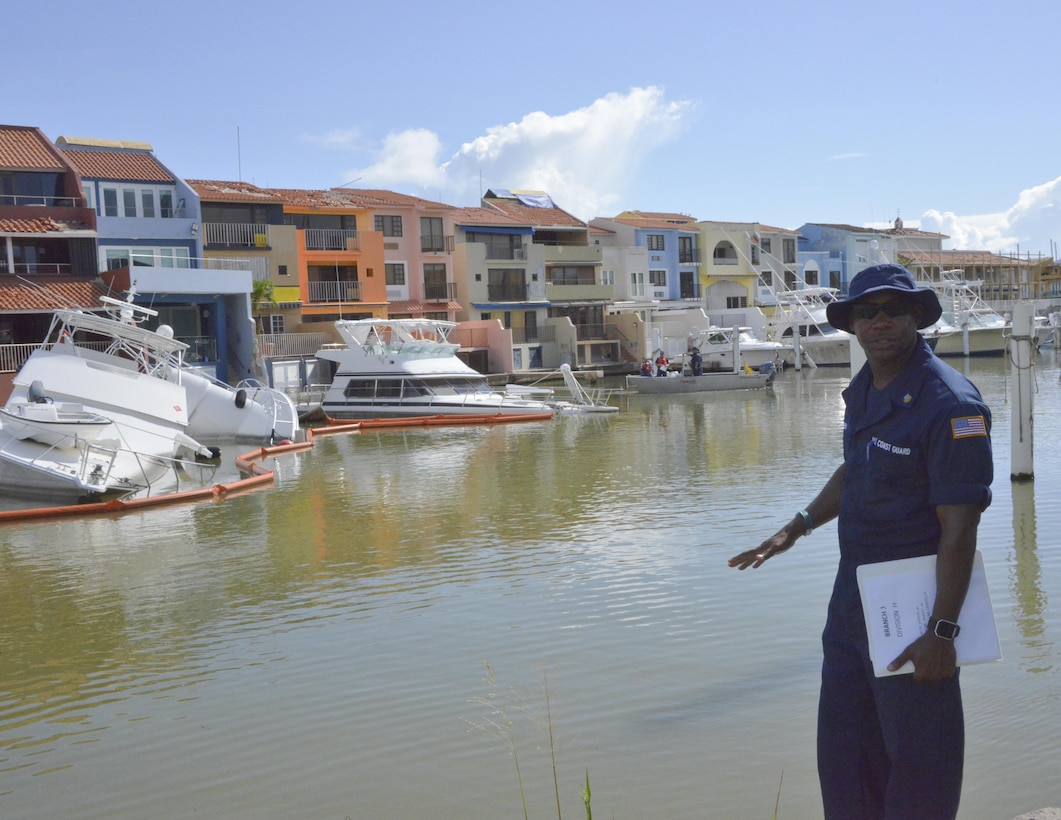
(405, 368)
(106, 366)
(580, 401)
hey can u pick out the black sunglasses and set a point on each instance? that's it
(868, 310)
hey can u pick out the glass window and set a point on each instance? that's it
(655, 242)
(431, 238)
(388, 225)
(90, 195)
(117, 258)
(165, 203)
(276, 323)
(110, 201)
(128, 202)
(147, 203)
(395, 272)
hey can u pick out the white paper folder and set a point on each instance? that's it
(897, 599)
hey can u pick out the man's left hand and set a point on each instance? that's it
(934, 658)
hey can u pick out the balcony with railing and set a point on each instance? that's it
(507, 293)
(501, 254)
(290, 344)
(235, 235)
(591, 331)
(435, 243)
(440, 291)
(334, 292)
(24, 200)
(37, 268)
(331, 239)
(687, 256)
(533, 335)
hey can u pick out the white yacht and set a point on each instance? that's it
(717, 344)
(819, 342)
(404, 368)
(968, 326)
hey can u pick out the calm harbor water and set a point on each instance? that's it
(397, 625)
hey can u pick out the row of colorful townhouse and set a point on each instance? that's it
(241, 272)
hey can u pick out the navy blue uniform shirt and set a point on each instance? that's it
(922, 441)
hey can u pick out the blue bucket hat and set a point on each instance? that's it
(894, 278)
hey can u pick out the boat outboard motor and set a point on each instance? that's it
(36, 392)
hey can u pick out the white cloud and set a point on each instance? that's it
(584, 158)
(1032, 224)
(405, 158)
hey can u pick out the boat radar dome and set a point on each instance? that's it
(165, 331)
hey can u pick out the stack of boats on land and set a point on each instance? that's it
(409, 368)
(106, 408)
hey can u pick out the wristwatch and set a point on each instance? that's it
(947, 630)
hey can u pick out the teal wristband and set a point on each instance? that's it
(808, 522)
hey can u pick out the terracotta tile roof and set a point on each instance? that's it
(316, 198)
(25, 148)
(771, 229)
(412, 306)
(39, 225)
(470, 217)
(214, 190)
(120, 165)
(538, 217)
(377, 198)
(663, 215)
(51, 293)
(654, 224)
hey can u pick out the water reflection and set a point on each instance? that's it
(1026, 581)
(343, 617)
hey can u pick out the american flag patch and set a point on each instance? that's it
(968, 426)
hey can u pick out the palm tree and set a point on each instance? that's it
(261, 300)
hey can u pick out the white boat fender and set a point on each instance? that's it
(241, 398)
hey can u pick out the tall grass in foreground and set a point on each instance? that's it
(499, 721)
(500, 708)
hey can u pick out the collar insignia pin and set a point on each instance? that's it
(907, 398)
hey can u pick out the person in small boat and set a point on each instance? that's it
(915, 478)
(661, 364)
(696, 362)
(646, 367)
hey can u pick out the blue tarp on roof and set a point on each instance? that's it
(532, 199)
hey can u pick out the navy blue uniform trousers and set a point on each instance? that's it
(887, 747)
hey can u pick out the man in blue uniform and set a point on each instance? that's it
(916, 476)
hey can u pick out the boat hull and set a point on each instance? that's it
(709, 382)
(444, 406)
(981, 342)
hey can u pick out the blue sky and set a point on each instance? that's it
(945, 113)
